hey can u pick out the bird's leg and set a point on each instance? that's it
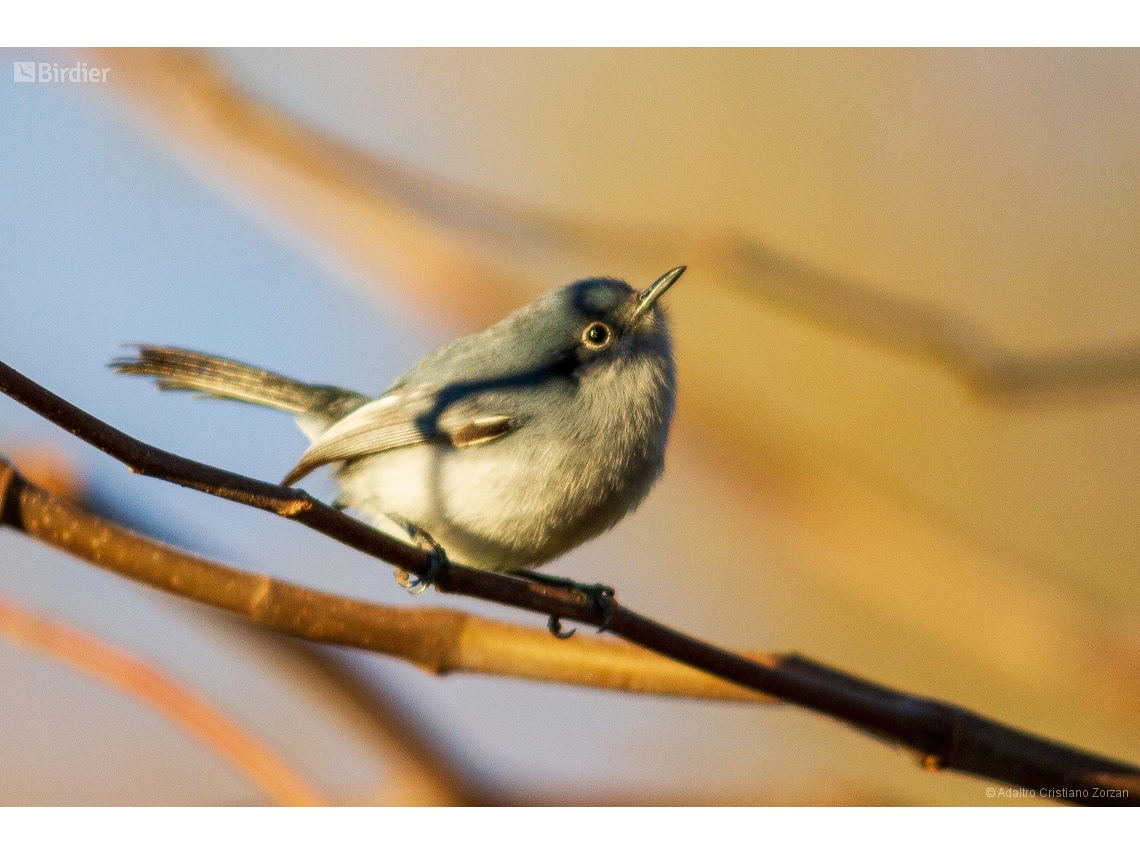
(601, 595)
(419, 584)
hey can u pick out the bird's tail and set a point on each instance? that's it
(190, 371)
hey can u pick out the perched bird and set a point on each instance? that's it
(506, 447)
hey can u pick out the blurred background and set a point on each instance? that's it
(907, 441)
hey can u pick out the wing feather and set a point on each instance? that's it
(401, 418)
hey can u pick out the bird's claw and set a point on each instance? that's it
(436, 558)
(601, 596)
(555, 627)
(604, 597)
(414, 584)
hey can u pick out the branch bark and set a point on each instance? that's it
(944, 735)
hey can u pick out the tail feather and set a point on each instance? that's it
(189, 371)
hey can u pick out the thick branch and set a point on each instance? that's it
(947, 736)
(441, 641)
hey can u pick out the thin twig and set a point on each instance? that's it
(945, 735)
(143, 681)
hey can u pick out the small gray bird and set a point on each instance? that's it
(506, 447)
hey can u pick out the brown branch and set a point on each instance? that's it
(194, 100)
(922, 329)
(421, 773)
(143, 681)
(441, 641)
(946, 736)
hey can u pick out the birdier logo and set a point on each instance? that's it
(53, 72)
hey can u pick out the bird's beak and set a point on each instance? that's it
(650, 295)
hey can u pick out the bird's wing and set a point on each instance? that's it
(405, 416)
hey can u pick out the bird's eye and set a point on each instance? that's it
(597, 336)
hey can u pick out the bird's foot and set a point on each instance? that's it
(437, 558)
(601, 595)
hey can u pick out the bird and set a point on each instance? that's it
(502, 449)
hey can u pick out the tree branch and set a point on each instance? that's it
(144, 682)
(946, 736)
(193, 99)
(441, 641)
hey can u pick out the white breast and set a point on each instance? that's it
(524, 499)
